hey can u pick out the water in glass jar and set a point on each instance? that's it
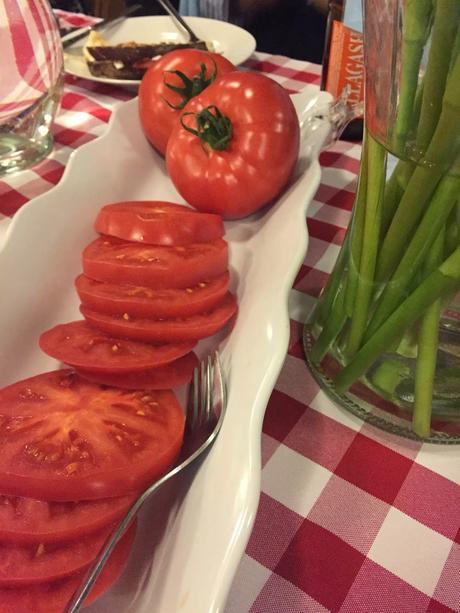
(30, 84)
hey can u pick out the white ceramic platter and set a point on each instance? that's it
(233, 42)
(192, 535)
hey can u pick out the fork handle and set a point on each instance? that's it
(75, 35)
(186, 457)
(95, 569)
(170, 9)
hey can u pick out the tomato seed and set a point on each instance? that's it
(29, 394)
(71, 468)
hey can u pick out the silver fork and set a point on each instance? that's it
(207, 402)
(171, 10)
(72, 37)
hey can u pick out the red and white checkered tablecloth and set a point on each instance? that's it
(351, 519)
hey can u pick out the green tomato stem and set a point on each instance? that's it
(214, 129)
(190, 87)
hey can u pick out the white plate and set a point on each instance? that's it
(231, 41)
(200, 541)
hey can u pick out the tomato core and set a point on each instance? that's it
(191, 86)
(212, 127)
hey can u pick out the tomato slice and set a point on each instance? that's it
(146, 63)
(80, 345)
(117, 261)
(67, 439)
(170, 375)
(27, 520)
(36, 563)
(158, 223)
(54, 596)
(116, 299)
(194, 327)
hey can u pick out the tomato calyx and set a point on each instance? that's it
(191, 86)
(212, 128)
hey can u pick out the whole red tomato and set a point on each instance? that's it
(236, 145)
(169, 84)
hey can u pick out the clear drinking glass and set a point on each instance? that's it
(384, 340)
(31, 78)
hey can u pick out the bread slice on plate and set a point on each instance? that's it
(127, 60)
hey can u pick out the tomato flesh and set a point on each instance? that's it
(259, 159)
(170, 375)
(115, 299)
(52, 597)
(67, 439)
(117, 261)
(27, 520)
(158, 223)
(36, 563)
(81, 346)
(190, 328)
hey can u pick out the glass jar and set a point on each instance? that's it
(31, 81)
(384, 339)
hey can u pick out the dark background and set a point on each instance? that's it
(290, 27)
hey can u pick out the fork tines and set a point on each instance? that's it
(205, 387)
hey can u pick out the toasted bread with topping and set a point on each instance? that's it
(127, 60)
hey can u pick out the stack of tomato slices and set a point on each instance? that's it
(75, 455)
(154, 284)
(80, 444)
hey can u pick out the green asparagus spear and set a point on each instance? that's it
(326, 300)
(442, 151)
(330, 331)
(376, 158)
(445, 29)
(428, 340)
(445, 279)
(435, 217)
(356, 237)
(416, 27)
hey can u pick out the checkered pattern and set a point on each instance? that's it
(30, 47)
(350, 519)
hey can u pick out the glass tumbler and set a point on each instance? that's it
(31, 81)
